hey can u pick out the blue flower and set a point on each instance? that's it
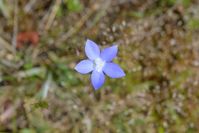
(99, 63)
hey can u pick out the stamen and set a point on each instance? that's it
(99, 64)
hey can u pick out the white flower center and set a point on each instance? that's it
(99, 64)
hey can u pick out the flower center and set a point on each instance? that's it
(99, 64)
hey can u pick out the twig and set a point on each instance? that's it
(46, 86)
(5, 45)
(7, 114)
(5, 9)
(10, 64)
(74, 29)
(29, 6)
(101, 13)
(25, 112)
(15, 26)
(52, 14)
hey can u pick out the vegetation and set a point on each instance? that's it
(42, 40)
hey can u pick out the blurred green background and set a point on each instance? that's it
(42, 40)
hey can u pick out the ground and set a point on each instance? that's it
(42, 41)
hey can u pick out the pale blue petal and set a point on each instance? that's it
(92, 50)
(97, 79)
(84, 66)
(113, 70)
(109, 53)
